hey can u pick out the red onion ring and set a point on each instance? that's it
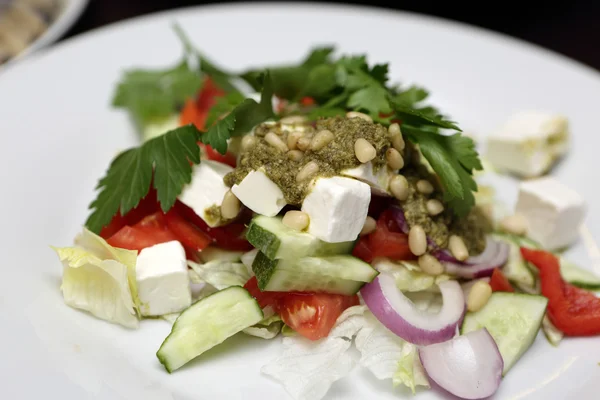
(468, 366)
(399, 315)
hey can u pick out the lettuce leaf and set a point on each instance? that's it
(100, 279)
(410, 372)
(221, 274)
(268, 328)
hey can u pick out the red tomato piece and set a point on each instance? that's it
(362, 250)
(499, 283)
(196, 111)
(574, 311)
(388, 243)
(138, 238)
(227, 158)
(307, 101)
(188, 234)
(228, 237)
(313, 315)
(146, 206)
(155, 220)
(264, 299)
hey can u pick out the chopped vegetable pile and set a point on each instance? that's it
(334, 209)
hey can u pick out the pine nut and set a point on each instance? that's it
(430, 265)
(321, 140)
(295, 155)
(424, 187)
(478, 296)
(307, 171)
(356, 114)
(303, 143)
(396, 137)
(434, 207)
(293, 119)
(394, 159)
(399, 187)
(417, 241)
(276, 142)
(292, 139)
(297, 220)
(364, 150)
(369, 226)
(458, 248)
(230, 207)
(515, 224)
(248, 142)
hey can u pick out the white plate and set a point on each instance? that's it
(71, 10)
(59, 133)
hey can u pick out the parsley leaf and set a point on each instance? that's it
(242, 118)
(453, 158)
(154, 94)
(128, 178)
(223, 105)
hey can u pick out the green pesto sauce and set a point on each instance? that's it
(472, 229)
(337, 156)
(213, 213)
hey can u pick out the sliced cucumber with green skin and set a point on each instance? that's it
(208, 323)
(277, 241)
(216, 254)
(513, 320)
(578, 276)
(516, 269)
(334, 274)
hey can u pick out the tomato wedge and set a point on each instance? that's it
(313, 315)
(195, 111)
(264, 299)
(362, 250)
(574, 311)
(388, 241)
(228, 158)
(228, 237)
(499, 283)
(188, 234)
(146, 206)
(138, 238)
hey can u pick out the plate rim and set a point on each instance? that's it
(43, 50)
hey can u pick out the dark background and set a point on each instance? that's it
(571, 27)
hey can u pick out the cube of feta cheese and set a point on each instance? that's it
(553, 211)
(206, 190)
(529, 143)
(260, 194)
(337, 208)
(379, 181)
(162, 279)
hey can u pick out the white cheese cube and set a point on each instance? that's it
(337, 208)
(379, 181)
(260, 194)
(553, 211)
(206, 189)
(162, 279)
(529, 143)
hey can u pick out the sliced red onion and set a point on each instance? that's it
(484, 268)
(399, 314)
(469, 366)
(487, 253)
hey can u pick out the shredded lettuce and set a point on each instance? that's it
(308, 369)
(221, 274)
(100, 279)
(408, 275)
(410, 372)
(248, 259)
(269, 327)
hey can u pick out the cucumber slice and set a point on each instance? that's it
(578, 276)
(553, 335)
(513, 320)
(277, 241)
(216, 254)
(207, 323)
(516, 269)
(334, 274)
